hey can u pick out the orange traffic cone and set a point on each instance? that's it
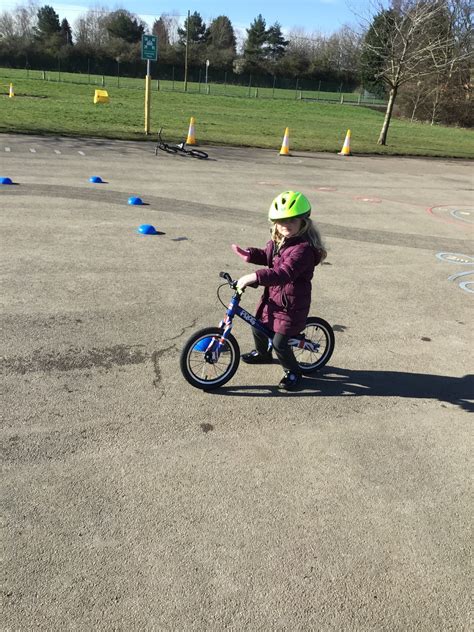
(11, 94)
(285, 146)
(346, 148)
(191, 139)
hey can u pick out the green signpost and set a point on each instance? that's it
(149, 47)
(149, 53)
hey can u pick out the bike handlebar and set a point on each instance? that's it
(232, 283)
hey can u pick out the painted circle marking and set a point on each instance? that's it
(454, 257)
(467, 286)
(463, 216)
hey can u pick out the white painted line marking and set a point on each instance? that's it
(56, 151)
(7, 149)
(81, 152)
(33, 150)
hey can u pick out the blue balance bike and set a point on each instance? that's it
(211, 356)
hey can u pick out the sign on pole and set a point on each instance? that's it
(150, 53)
(150, 47)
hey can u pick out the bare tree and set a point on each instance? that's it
(90, 30)
(405, 45)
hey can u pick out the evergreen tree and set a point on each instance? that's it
(376, 50)
(123, 25)
(254, 49)
(48, 23)
(220, 34)
(197, 30)
(276, 43)
(66, 33)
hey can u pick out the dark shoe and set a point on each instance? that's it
(290, 381)
(254, 357)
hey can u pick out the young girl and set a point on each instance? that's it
(291, 256)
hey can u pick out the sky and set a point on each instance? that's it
(324, 16)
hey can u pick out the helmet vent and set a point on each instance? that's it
(292, 203)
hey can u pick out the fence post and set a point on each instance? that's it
(342, 99)
(172, 77)
(157, 85)
(225, 82)
(319, 90)
(358, 100)
(103, 81)
(273, 91)
(44, 75)
(250, 85)
(59, 69)
(256, 93)
(296, 89)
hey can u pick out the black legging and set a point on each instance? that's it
(283, 352)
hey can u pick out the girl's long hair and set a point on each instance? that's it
(309, 229)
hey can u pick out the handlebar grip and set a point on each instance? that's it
(226, 276)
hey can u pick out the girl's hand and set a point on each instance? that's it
(247, 279)
(241, 252)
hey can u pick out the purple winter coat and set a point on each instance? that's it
(285, 303)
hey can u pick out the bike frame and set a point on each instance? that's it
(213, 352)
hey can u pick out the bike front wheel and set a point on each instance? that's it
(197, 153)
(200, 366)
(319, 345)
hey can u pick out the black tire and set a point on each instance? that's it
(197, 153)
(169, 149)
(319, 332)
(205, 374)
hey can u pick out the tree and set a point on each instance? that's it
(48, 23)
(66, 33)
(254, 48)
(403, 45)
(220, 34)
(221, 42)
(48, 30)
(197, 30)
(276, 43)
(123, 25)
(444, 95)
(90, 31)
(160, 29)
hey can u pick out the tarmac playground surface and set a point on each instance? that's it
(133, 501)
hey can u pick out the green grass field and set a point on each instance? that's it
(52, 107)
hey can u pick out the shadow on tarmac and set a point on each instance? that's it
(335, 382)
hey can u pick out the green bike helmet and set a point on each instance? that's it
(289, 204)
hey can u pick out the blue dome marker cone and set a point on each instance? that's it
(147, 229)
(96, 180)
(135, 201)
(5, 180)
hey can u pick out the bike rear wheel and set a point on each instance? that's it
(197, 153)
(320, 334)
(197, 362)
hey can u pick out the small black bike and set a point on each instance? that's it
(180, 148)
(211, 356)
